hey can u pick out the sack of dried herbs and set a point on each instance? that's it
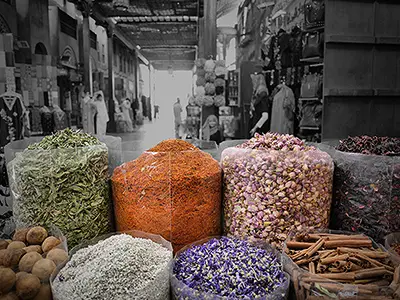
(122, 265)
(366, 190)
(173, 189)
(63, 180)
(275, 184)
(221, 268)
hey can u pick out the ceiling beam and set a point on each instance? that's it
(170, 47)
(98, 17)
(133, 23)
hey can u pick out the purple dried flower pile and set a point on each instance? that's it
(230, 268)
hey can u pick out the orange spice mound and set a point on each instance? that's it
(170, 192)
(173, 146)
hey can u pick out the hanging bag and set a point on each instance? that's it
(314, 13)
(313, 44)
(311, 86)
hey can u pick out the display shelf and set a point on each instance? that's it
(313, 60)
(352, 39)
(317, 28)
(348, 92)
(317, 65)
(309, 128)
(309, 99)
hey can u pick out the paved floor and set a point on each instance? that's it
(146, 136)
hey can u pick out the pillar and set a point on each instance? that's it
(85, 6)
(208, 30)
(111, 127)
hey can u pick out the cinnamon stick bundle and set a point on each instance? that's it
(347, 243)
(343, 262)
(298, 245)
(330, 260)
(370, 254)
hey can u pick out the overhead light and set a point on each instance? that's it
(121, 4)
(138, 47)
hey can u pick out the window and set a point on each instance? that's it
(121, 64)
(103, 54)
(68, 24)
(93, 40)
(98, 51)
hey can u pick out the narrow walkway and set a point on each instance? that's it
(147, 135)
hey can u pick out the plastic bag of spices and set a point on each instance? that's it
(366, 192)
(218, 268)
(340, 265)
(173, 189)
(123, 265)
(275, 184)
(63, 180)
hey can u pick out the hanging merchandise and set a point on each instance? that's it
(200, 72)
(311, 114)
(283, 109)
(296, 40)
(12, 112)
(208, 100)
(60, 118)
(35, 120)
(311, 86)
(209, 65)
(62, 181)
(210, 77)
(200, 91)
(219, 82)
(219, 90)
(201, 81)
(273, 185)
(313, 44)
(366, 189)
(221, 72)
(200, 62)
(200, 100)
(219, 100)
(173, 189)
(220, 63)
(210, 89)
(314, 13)
(284, 49)
(47, 120)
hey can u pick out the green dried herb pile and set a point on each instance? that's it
(63, 180)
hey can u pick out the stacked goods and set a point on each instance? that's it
(62, 180)
(173, 190)
(366, 190)
(333, 265)
(121, 266)
(275, 184)
(210, 82)
(225, 268)
(27, 262)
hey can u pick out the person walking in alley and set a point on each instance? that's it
(177, 117)
(125, 107)
(101, 113)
